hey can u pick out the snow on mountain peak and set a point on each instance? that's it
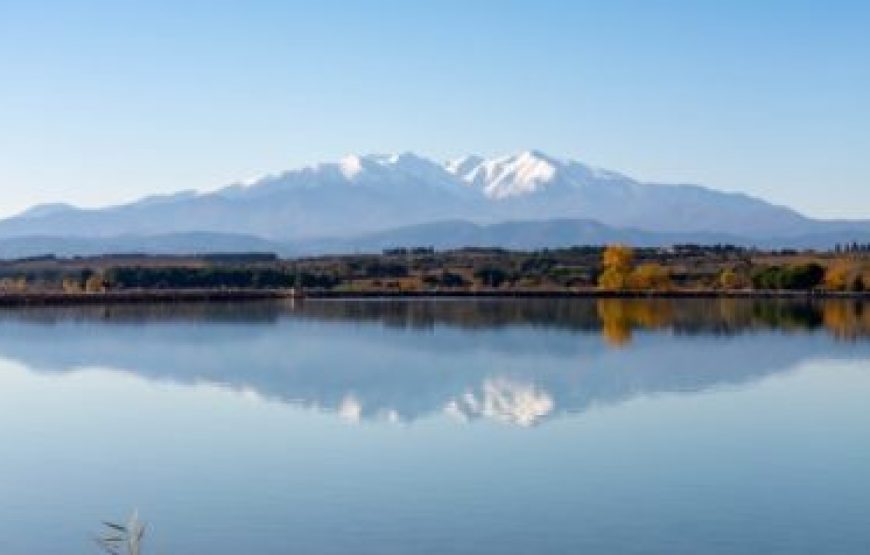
(461, 166)
(350, 166)
(525, 173)
(353, 165)
(507, 176)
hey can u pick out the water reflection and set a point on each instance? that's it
(614, 318)
(516, 361)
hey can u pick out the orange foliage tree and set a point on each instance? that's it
(617, 261)
(841, 275)
(650, 276)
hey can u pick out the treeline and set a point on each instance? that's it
(839, 275)
(851, 248)
(212, 277)
(620, 272)
(616, 267)
(797, 277)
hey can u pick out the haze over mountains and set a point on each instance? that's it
(527, 200)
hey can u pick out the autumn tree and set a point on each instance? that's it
(650, 276)
(730, 279)
(617, 261)
(70, 285)
(95, 283)
(837, 276)
(17, 284)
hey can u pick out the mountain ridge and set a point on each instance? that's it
(362, 195)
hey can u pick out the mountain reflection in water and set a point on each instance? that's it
(519, 361)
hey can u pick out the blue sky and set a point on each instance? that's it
(105, 101)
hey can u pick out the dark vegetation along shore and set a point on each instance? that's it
(613, 271)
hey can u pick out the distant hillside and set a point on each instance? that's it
(174, 243)
(528, 235)
(521, 235)
(447, 234)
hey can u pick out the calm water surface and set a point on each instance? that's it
(526, 426)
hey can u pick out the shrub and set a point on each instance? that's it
(491, 276)
(803, 276)
(650, 276)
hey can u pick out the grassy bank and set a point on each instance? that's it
(13, 299)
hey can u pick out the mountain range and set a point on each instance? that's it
(361, 203)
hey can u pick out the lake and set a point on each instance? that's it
(448, 426)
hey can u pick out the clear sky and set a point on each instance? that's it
(106, 101)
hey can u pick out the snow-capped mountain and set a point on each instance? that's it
(366, 194)
(532, 185)
(527, 173)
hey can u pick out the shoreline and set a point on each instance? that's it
(56, 298)
(592, 294)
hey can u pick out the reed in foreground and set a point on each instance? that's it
(118, 539)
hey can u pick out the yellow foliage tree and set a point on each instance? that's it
(617, 261)
(650, 276)
(618, 257)
(612, 278)
(95, 284)
(729, 279)
(837, 276)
